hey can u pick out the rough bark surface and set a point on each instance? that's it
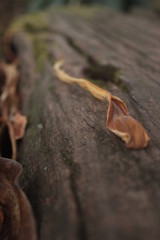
(82, 181)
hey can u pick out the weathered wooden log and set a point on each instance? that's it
(82, 181)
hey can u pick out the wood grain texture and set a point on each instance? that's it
(82, 181)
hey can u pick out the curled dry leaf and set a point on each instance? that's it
(10, 76)
(19, 124)
(9, 104)
(125, 126)
(16, 217)
(118, 119)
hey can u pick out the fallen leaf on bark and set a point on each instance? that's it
(124, 126)
(19, 124)
(118, 119)
(9, 104)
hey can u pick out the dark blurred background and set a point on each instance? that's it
(118, 4)
(10, 9)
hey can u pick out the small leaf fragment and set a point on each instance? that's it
(19, 124)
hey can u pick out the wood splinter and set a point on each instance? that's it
(118, 119)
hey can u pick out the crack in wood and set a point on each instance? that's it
(74, 169)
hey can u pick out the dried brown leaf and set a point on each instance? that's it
(19, 124)
(125, 126)
(11, 74)
(9, 101)
(118, 119)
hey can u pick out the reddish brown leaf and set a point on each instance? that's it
(125, 126)
(118, 119)
(10, 74)
(19, 125)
